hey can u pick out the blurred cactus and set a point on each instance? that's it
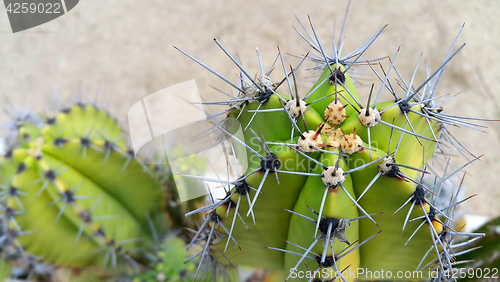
(73, 194)
(175, 264)
(174, 207)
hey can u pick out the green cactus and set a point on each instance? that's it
(334, 184)
(75, 195)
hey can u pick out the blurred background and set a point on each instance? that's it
(122, 50)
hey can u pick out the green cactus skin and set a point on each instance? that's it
(83, 199)
(334, 184)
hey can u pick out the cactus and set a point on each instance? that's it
(74, 195)
(335, 184)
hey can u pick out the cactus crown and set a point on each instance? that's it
(365, 162)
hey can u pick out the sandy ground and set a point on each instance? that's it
(122, 49)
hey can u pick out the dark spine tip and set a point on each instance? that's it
(8, 154)
(51, 121)
(20, 168)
